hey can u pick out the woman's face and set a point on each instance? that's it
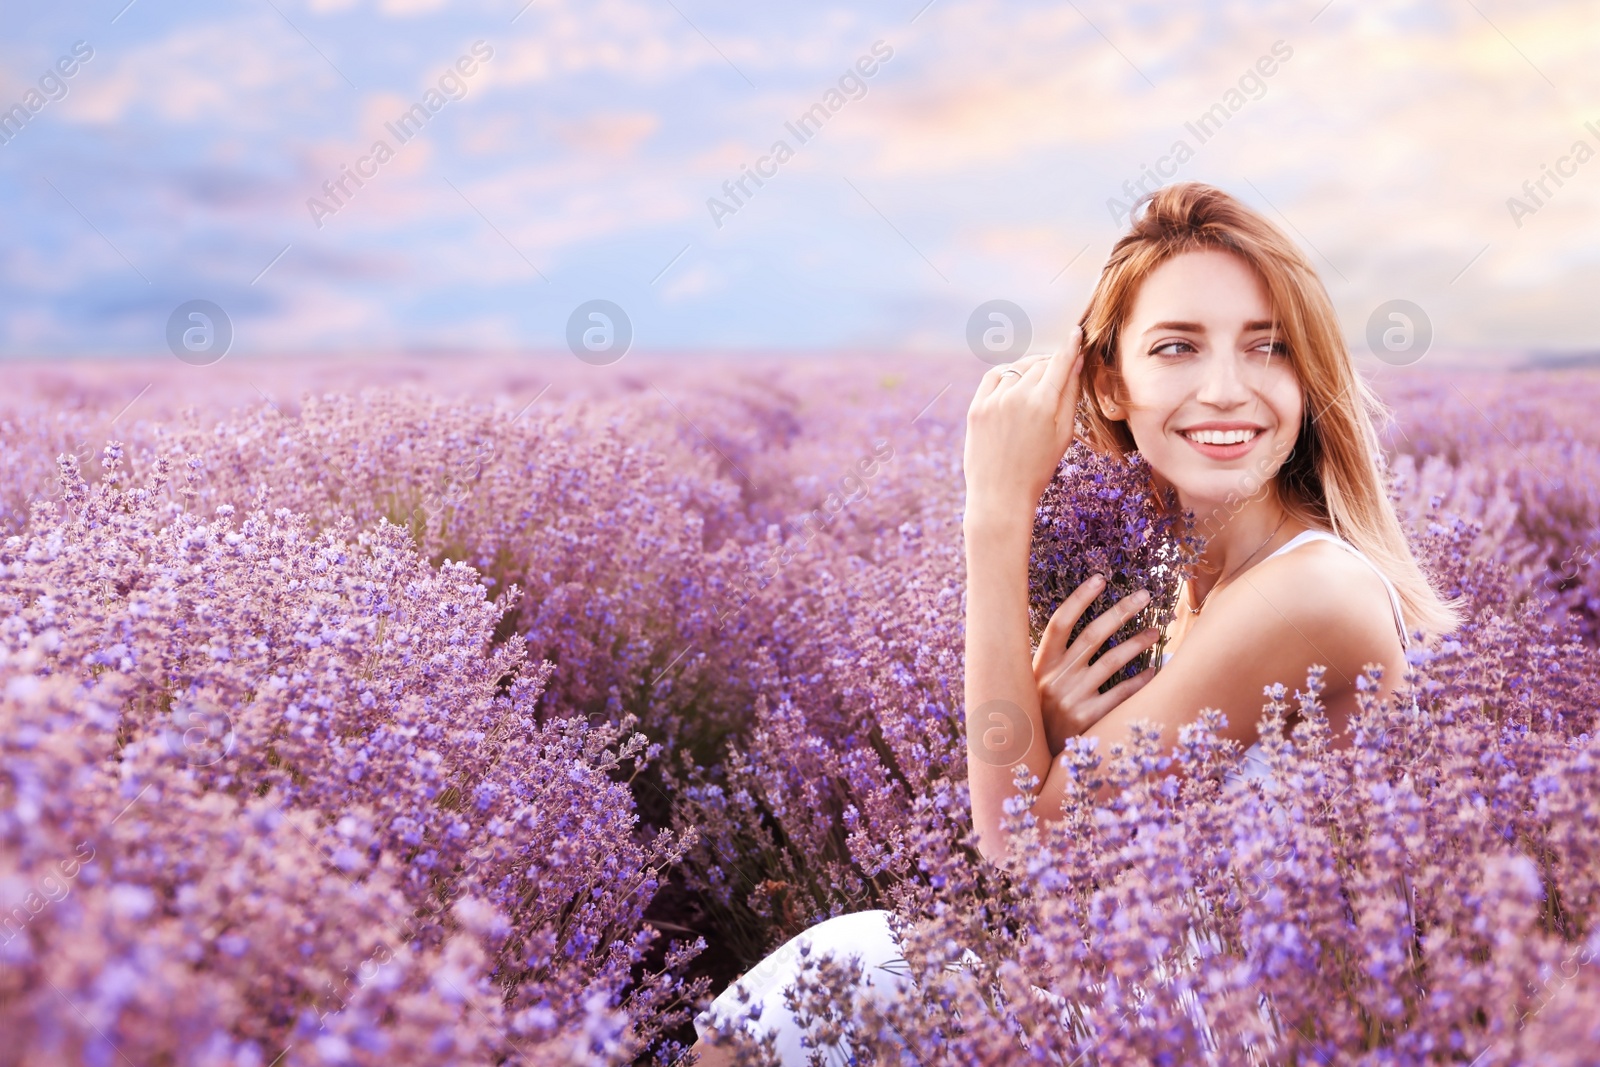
(1209, 391)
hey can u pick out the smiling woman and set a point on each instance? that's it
(1210, 347)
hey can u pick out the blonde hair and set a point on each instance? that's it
(1333, 478)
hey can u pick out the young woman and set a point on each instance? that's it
(1209, 346)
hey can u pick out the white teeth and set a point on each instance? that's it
(1220, 437)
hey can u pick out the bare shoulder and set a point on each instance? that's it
(1316, 604)
(1322, 586)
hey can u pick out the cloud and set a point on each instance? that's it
(616, 135)
(694, 281)
(201, 74)
(991, 142)
(410, 8)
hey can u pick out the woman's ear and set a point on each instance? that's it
(1105, 383)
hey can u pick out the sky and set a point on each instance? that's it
(1440, 153)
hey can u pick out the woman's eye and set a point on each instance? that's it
(1273, 348)
(1172, 348)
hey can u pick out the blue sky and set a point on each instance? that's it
(976, 162)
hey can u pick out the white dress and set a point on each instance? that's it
(866, 934)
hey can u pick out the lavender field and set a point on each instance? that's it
(504, 712)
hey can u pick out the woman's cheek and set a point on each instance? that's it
(1288, 399)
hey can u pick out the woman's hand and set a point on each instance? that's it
(1017, 431)
(1070, 700)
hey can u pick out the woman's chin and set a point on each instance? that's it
(1208, 491)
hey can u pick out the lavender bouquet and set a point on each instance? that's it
(1103, 515)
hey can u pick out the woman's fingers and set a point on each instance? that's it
(994, 376)
(1063, 366)
(1024, 362)
(1119, 657)
(1034, 369)
(1122, 691)
(1069, 685)
(1107, 623)
(1053, 642)
(1014, 384)
(1080, 681)
(1087, 711)
(987, 384)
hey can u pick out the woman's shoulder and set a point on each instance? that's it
(1316, 603)
(1321, 584)
(1266, 627)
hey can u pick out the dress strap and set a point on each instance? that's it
(1307, 536)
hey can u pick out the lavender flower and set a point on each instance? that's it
(1102, 515)
(399, 727)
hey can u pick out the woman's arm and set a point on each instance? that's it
(1004, 726)
(1005, 719)
(1017, 432)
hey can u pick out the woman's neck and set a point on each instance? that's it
(1238, 542)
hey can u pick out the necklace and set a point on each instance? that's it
(1240, 567)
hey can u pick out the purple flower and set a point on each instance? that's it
(1102, 515)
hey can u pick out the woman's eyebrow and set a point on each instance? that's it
(1197, 327)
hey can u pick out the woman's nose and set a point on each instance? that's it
(1225, 381)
